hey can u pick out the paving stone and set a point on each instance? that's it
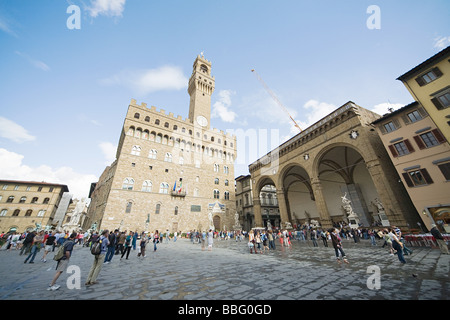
(182, 270)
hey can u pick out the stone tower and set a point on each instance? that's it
(200, 89)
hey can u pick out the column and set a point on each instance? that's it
(388, 197)
(257, 212)
(321, 205)
(282, 205)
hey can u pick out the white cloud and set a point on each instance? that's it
(263, 107)
(383, 108)
(110, 8)
(5, 26)
(312, 111)
(13, 131)
(146, 81)
(109, 152)
(441, 42)
(35, 63)
(221, 107)
(12, 168)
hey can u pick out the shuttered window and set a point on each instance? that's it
(429, 139)
(445, 169)
(428, 77)
(419, 177)
(401, 148)
(442, 101)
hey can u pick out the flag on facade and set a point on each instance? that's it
(175, 185)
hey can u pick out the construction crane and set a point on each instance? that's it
(275, 98)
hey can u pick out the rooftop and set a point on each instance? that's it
(393, 113)
(427, 63)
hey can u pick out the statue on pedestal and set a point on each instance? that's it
(352, 217)
(237, 225)
(287, 225)
(381, 212)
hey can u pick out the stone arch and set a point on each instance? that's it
(327, 148)
(341, 170)
(298, 194)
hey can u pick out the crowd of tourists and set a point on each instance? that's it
(259, 240)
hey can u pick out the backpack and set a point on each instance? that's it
(60, 253)
(96, 247)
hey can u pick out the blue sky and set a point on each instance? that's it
(64, 92)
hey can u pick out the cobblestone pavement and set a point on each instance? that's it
(182, 271)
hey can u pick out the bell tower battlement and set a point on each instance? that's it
(200, 88)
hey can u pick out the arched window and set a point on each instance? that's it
(216, 181)
(181, 160)
(130, 131)
(147, 186)
(23, 199)
(158, 138)
(216, 194)
(28, 213)
(263, 198)
(128, 207)
(226, 183)
(152, 154)
(137, 115)
(128, 184)
(34, 200)
(10, 199)
(216, 167)
(46, 200)
(225, 170)
(166, 125)
(175, 127)
(41, 213)
(269, 197)
(136, 150)
(16, 213)
(168, 157)
(147, 119)
(3, 212)
(158, 208)
(157, 121)
(176, 211)
(138, 133)
(164, 188)
(226, 195)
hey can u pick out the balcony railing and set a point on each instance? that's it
(178, 194)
